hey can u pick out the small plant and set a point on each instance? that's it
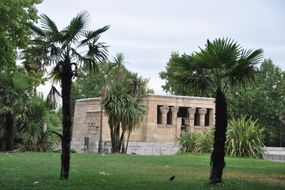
(205, 141)
(196, 142)
(187, 141)
(245, 138)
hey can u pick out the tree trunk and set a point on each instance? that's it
(66, 82)
(112, 136)
(116, 138)
(121, 143)
(8, 132)
(218, 154)
(128, 139)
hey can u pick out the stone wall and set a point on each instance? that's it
(275, 154)
(166, 117)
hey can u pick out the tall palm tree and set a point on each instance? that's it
(66, 49)
(123, 102)
(223, 63)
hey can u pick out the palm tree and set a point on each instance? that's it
(13, 98)
(221, 64)
(123, 102)
(63, 49)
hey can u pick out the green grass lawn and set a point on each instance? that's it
(115, 171)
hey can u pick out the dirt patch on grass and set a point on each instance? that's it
(257, 177)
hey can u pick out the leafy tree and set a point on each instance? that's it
(14, 31)
(62, 48)
(221, 64)
(262, 100)
(173, 84)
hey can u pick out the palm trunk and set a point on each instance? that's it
(128, 139)
(8, 132)
(66, 82)
(218, 154)
(121, 143)
(112, 137)
(117, 138)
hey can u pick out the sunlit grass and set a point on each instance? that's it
(116, 171)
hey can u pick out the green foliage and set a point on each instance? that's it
(14, 96)
(14, 30)
(172, 83)
(201, 142)
(66, 50)
(263, 100)
(187, 141)
(205, 141)
(221, 64)
(122, 101)
(37, 134)
(22, 114)
(245, 138)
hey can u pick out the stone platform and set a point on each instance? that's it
(275, 154)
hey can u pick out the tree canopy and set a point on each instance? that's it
(262, 100)
(14, 30)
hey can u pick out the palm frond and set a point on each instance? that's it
(38, 31)
(76, 28)
(90, 35)
(48, 25)
(56, 72)
(192, 73)
(244, 69)
(52, 97)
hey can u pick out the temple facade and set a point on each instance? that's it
(165, 119)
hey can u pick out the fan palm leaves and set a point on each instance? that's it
(67, 49)
(221, 64)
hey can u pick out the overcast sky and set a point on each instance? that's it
(147, 31)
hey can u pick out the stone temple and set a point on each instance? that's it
(166, 118)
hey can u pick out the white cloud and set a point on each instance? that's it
(148, 31)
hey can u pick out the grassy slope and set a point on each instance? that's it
(41, 171)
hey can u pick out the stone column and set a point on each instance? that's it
(164, 110)
(178, 127)
(202, 112)
(191, 114)
(174, 111)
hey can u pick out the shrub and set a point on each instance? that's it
(187, 141)
(204, 143)
(196, 142)
(245, 138)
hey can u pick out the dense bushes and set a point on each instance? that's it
(244, 138)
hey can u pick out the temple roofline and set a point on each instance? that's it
(156, 95)
(179, 96)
